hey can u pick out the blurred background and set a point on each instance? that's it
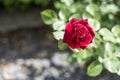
(28, 50)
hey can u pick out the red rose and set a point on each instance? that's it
(78, 33)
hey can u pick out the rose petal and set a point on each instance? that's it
(74, 45)
(78, 33)
(83, 47)
(66, 37)
(83, 21)
(68, 27)
(87, 40)
(91, 30)
(73, 20)
(73, 36)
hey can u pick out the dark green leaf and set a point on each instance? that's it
(8, 3)
(25, 1)
(41, 2)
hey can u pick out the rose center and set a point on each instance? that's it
(81, 32)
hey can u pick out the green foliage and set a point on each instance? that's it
(95, 24)
(92, 8)
(84, 54)
(94, 69)
(41, 2)
(71, 58)
(62, 45)
(103, 16)
(49, 16)
(8, 3)
(116, 30)
(25, 1)
(23, 4)
(107, 35)
(58, 35)
(112, 64)
(58, 25)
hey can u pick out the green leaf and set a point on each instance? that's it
(116, 30)
(58, 25)
(118, 73)
(117, 53)
(76, 8)
(62, 45)
(75, 16)
(71, 58)
(67, 2)
(109, 8)
(97, 40)
(97, 15)
(86, 15)
(111, 64)
(92, 8)
(58, 35)
(59, 5)
(100, 51)
(107, 35)
(118, 40)
(84, 54)
(94, 69)
(49, 16)
(94, 23)
(109, 49)
(64, 14)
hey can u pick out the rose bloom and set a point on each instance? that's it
(78, 33)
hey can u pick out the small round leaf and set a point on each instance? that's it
(94, 69)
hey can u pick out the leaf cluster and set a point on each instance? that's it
(103, 17)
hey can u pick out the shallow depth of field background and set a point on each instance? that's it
(28, 50)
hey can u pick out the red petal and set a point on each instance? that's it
(83, 21)
(73, 45)
(68, 27)
(73, 20)
(87, 41)
(91, 30)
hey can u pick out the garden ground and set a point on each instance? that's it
(32, 54)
